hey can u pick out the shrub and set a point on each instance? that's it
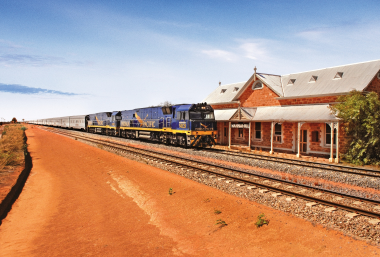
(261, 220)
(221, 222)
(170, 191)
(217, 212)
(361, 121)
(12, 146)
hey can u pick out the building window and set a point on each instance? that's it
(223, 91)
(277, 132)
(314, 136)
(257, 85)
(236, 89)
(257, 130)
(291, 82)
(378, 75)
(338, 75)
(328, 135)
(225, 132)
(240, 132)
(313, 79)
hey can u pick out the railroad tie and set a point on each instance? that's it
(251, 187)
(240, 184)
(276, 194)
(352, 215)
(263, 191)
(374, 221)
(289, 199)
(311, 204)
(330, 209)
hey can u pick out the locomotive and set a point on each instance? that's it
(188, 125)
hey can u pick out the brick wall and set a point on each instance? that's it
(224, 106)
(258, 97)
(236, 140)
(374, 86)
(287, 136)
(309, 100)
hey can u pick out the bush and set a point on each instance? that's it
(261, 220)
(361, 121)
(12, 146)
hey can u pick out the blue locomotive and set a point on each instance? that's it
(191, 125)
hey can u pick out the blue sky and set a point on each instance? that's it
(60, 58)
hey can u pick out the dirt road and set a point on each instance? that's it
(83, 201)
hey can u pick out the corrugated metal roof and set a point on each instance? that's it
(355, 77)
(224, 93)
(224, 114)
(272, 81)
(299, 113)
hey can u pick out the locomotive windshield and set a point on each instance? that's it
(201, 116)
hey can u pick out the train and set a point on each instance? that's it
(188, 125)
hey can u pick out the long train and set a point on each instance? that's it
(189, 125)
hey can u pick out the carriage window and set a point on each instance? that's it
(240, 132)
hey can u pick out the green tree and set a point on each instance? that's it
(14, 120)
(360, 114)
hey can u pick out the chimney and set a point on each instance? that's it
(220, 83)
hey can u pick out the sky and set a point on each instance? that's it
(61, 58)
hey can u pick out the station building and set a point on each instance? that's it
(290, 113)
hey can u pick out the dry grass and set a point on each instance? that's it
(12, 146)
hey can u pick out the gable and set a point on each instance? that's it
(258, 97)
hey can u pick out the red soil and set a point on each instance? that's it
(80, 200)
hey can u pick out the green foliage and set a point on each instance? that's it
(361, 121)
(217, 212)
(261, 220)
(170, 191)
(23, 128)
(221, 222)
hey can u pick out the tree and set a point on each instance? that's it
(14, 120)
(166, 103)
(361, 121)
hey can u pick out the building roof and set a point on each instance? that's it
(354, 77)
(328, 81)
(224, 114)
(297, 113)
(224, 93)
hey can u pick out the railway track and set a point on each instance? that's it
(319, 165)
(277, 187)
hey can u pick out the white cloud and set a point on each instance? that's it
(220, 54)
(253, 51)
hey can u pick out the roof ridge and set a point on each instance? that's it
(378, 60)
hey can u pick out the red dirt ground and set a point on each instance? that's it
(83, 201)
